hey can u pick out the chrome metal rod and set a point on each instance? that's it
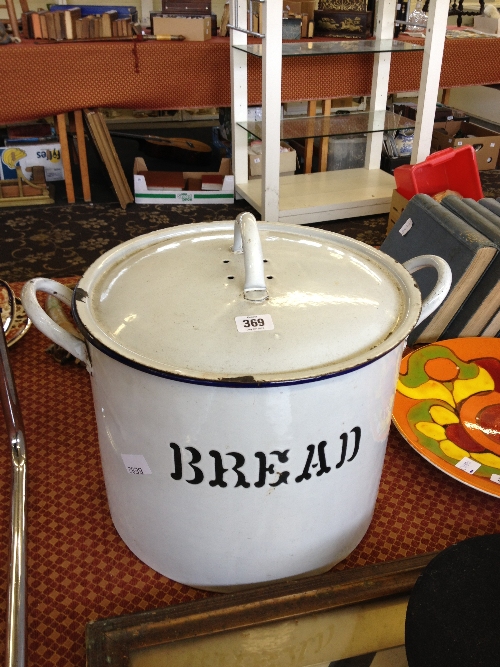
(15, 650)
(248, 32)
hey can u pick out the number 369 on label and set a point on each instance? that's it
(246, 323)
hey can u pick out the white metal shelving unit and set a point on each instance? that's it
(331, 195)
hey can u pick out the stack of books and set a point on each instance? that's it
(466, 234)
(68, 22)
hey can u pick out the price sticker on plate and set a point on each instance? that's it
(248, 323)
(468, 465)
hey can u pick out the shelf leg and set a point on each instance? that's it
(239, 94)
(326, 108)
(271, 109)
(309, 144)
(384, 29)
(429, 79)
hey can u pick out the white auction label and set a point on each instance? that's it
(405, 228)
(246, 323)
(136, 464)
(468, 465)
(495, 478)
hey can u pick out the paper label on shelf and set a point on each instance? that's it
(459, 143)
(468, 465)
(449, 117)
(184, 196)
(495, 478)
(136, 464)
(406, 227)
(247, 323)
(492, 145)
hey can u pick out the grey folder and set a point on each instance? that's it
(491, 204)
(484, 300)
(427, 228)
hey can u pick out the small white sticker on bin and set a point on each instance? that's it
(406, 227)
(468, 465)
(136, 464)
(495, 478)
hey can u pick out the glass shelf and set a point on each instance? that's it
(336, 124)
(335, 47)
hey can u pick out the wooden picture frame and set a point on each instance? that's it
(306, 619)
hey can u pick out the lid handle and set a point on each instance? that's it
(247, 241)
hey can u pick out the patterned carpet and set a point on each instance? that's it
(63, 240)
(57, 241)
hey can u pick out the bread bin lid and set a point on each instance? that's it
(172, 303)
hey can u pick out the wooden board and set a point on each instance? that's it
(104, 144)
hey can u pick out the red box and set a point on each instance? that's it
(451, 169)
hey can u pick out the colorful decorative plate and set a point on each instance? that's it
(447, 407)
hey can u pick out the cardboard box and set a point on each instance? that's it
(485, 24)
(46, 155)
(398, 205)
(292, 7)
(485, 142)
(308, 7)
(145, 196)
(288, 162)
(197, 29)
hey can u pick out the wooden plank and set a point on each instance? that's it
(100, 142)
(311, 111)
(121, 179)
(9, 6)
(25, 201)
(82, 155)
(38, 175)
(112, 642)
(65, 157)
(445, 97)
(102, 139)
(13, 191)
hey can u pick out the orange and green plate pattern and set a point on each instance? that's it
(447, 407)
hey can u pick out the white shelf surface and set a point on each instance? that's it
(328, 195)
